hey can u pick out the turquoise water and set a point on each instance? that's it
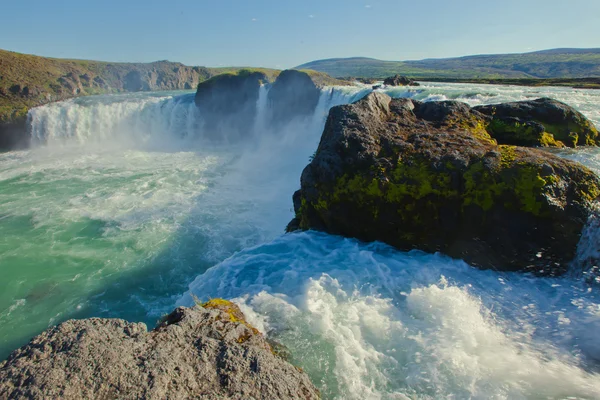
(123, 209)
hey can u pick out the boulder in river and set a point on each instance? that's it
(203, 352)
(542, 122)
(227, 102)
(398, 80)
(429, 176)
(294, 94)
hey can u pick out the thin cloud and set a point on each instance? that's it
(254, 19)
(311, 16)
(367, 6)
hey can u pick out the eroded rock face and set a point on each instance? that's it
(202, 352)
(542, 122)
(429, 176)
(228, 103)
(294, 94)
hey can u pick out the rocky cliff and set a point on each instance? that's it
(228, 102)
(205, 352)
(28, 81)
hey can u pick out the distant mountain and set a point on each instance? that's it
(553, 63)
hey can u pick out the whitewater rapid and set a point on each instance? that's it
(123, 209)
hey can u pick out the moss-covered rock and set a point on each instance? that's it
(543, 122)
(429, 176)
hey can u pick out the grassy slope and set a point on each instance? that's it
(27, 81)
(557, 63)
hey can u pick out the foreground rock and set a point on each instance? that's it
(398, 80)
(204, 353)
(543, 122)
(429, 176)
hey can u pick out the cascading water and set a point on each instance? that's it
(124, 203)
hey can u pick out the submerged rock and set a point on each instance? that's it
(202, 352)
(398, 80)
(429, 176)
(542, 122)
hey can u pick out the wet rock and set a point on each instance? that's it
(429, 176)
(293, 95)
(542, 122)
(398, 80)
(227, 103)
(203, 352)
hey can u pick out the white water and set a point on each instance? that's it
(125, 204)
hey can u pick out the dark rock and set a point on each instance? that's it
(228, 103)
(133, 82)
(398, 80)
(543, 122)
(294, 94)
(429, 176)
(14, 135)
(202, 352)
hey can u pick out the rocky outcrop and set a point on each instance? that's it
(543, 122)
(203, 352)
(13, 134)
(228, 102)
(398, 80)
(429, 176)
(294, 94)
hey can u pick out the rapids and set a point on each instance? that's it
(123, 209)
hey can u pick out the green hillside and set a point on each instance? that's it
(555, 63)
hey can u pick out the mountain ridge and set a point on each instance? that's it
(542, 64)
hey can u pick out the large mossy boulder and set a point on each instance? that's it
(207, 352)
(428, 176)
(542, 122)
(294, 94)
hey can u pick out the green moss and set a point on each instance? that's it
(528, 186)
(519, 133)
(481, 187)
(234, 313)
(507, 155)
(582, 132)
(475, 126)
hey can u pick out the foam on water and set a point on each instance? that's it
(366, 321)
(123, 205)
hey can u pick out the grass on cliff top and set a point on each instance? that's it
(271, 74)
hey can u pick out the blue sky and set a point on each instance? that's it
(285, 33)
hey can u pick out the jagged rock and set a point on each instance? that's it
(542, 122)
(203, 352)
(429, 176)
(398, 80)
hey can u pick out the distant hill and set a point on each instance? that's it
(554, 63)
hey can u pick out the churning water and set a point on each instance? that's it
(124, 210)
